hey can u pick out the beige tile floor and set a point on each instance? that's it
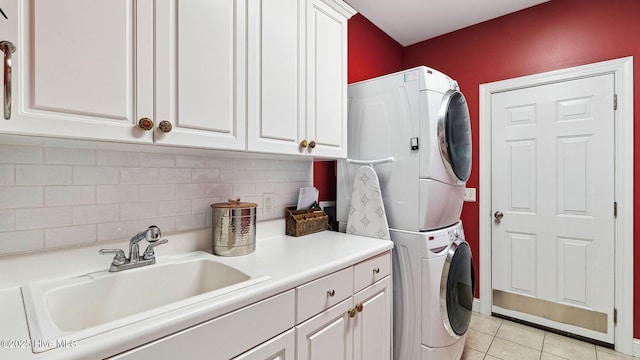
(492, 338)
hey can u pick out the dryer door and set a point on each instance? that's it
(454, 135)
(457, 288)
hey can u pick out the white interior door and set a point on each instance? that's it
(553, 205)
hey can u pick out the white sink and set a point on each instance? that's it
(79, 307)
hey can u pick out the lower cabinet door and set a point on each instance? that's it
(281, 347)
(372, 325)
(328, 335)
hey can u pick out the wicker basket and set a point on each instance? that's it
(304, 222)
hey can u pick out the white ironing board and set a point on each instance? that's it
(367, 216)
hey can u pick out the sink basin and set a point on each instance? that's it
(87, 305)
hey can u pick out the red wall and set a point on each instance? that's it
(550, 36)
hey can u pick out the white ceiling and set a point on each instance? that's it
(412, 21)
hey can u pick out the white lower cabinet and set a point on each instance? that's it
(281, 347)
(223, 337)
(357, 328)
(341, 316)
(372, 326)
(328, 335)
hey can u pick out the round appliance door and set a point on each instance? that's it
(454, 135)
(457, 289)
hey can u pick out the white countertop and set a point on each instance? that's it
(289, 261)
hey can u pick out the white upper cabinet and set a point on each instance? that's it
(81, 69)
(297, 77)
(200, 73)
(258, 75)
(326, 88)
(274, 73)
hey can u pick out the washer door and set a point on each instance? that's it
(457, 288)
(454, 135)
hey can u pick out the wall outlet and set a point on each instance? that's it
(267, 203)
(470, 194)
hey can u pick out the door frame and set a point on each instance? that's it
(623, 229)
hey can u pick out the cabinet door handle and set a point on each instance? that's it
(312, 144)
(145, 124)
(304, 143)
(165, 126)
(352, 313)
(359, 307)
(331, 292)
(8, 48)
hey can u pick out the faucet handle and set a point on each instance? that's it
(119, 257)
(149, 253)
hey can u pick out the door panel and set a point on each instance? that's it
(552, 178)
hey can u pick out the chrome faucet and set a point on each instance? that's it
(120, 262)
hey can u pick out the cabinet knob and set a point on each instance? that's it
(312, 144)
(359, 307)
(304, 143)
(331, 292)
(352, 312)
(165, 126)
(376, 270)
(145, 124)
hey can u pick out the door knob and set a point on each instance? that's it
(498, 215)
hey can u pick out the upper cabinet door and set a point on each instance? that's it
(200, 73)
(326, 105)
(275, 87)
(77, 70)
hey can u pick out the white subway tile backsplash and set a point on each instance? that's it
(139, 210)
(157, 160)
(69, 195)
(7, 220)
(190, 191)
(174, 175)
(157, 192)
(239, 188)
(219, 162)
(244, 163)
(72, 235)
(190, 161)
(219, 191)
(139, 175)
(21, 241)
(117, 158)
(199, 176)
(95, 175)
(43, 175)
(15, 197)
(7, 174)
(53, 197)
(65, 156)
(15, 154)
(191, 222)
(118, 193)
(203, 206)
(94, 214)
(174, 207)
(46, 217)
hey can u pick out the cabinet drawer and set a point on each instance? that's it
(371, 270)
(321, 294)
(225, 336)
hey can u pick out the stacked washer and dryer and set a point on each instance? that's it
(413, 127)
